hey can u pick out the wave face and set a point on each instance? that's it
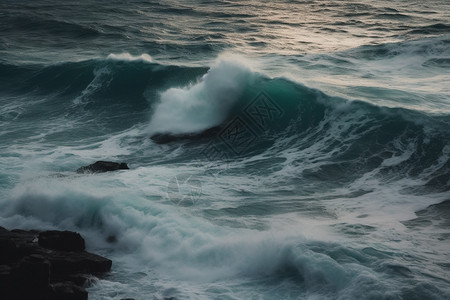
(308, 155)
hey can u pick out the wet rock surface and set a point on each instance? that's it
(46, 265)
(165, 138)
(103, 166)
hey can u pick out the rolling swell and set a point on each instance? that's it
(334, 138)
(107, 90)
(337, 141)
(71, 78)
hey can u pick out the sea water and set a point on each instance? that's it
(329, 176)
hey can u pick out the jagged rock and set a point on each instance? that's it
(5, 272)
(5, 277)
(164, 138)
(32, 276)
(67, 291)
(78, 262)
(103, 166)
(61, 240)
(30, 271)
(111, 239)
(78, 279)
(7, 250)
(16, 244)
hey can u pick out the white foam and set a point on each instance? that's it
(172, 247)
(129, 57)
(204, 104)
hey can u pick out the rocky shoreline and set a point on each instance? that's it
(46, 265)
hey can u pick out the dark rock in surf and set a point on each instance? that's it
(164, 138)
(8, 250)
(103, 166)
(67, 290)
(32, 276)
(5, 281)
(46, 265)
(61, 240)
(64, 264)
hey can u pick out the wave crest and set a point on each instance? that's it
(204, 104)
(129, 57)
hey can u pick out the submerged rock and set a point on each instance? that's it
(103, 166)
(164, 138)
(46, 265)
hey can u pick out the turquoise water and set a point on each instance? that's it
(328, 176)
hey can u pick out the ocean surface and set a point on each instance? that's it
(328, 179)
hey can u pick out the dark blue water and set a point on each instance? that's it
(328, 176)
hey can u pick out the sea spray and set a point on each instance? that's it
(204, 104)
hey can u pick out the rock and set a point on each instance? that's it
(67, 291)
(32, 276)
(16, 244)
(61, 240)
(53, 266)
(7, 250)
(103, 166)
(111, 239)
(78, 262)
(164, 138)
(5, 277)
(5, 272)
(79, 279)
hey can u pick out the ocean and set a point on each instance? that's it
(327, 174)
